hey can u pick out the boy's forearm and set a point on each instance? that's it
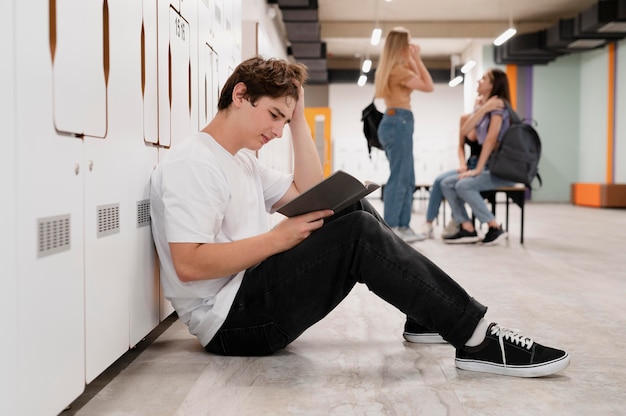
(308, 169)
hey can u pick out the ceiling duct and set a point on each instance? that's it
(606, 19)
(301, 21)
(526, 49)
(561, 37)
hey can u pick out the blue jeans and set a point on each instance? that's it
(458, 192)
(435, 195)
(395, 133)
(287, 293)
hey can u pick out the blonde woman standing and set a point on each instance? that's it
(400, 72)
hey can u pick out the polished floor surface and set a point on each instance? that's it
(565, 287)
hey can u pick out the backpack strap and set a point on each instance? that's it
(515, 119)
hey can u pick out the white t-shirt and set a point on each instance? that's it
(201, 193)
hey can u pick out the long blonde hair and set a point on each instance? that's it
(396, 44)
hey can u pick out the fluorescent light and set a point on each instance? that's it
(367, 65)
(506, 35)
(362, 80)
(376, 34)
(456, 81)
(468, 66)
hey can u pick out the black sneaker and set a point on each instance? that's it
(507, 352)
(414, 332)
(462, 237)
(494, 235)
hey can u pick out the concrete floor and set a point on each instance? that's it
(565, 287)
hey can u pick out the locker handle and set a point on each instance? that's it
(52, 27)
(143, 59)
(105, 41)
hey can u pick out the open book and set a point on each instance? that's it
(336, 192)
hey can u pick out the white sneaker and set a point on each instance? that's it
(427, 230)
(408, 235)
(450, 229)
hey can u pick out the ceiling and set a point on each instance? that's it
(442, 28)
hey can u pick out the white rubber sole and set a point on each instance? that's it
(424, 338)
(462, 240)
(538, 370)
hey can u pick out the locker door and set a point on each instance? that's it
(166, 72)
(8, 295)
(208, 94)
(49, 215)
(79, 52)
(207, 65)
(179, 87)
(149, 72)
(117, 253)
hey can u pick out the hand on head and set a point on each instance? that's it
(494, 103)
(298, 111)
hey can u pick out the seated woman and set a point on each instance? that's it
(490, 122)
(435, 197)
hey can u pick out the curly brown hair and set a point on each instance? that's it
(271, 77)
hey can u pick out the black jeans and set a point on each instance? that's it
(287, 293)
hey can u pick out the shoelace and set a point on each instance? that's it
(512, 335)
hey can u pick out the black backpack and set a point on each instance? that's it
(371, 118)
(517, 156)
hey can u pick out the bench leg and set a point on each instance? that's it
(507, 214)
(519, 197)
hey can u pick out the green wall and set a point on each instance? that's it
(593, 121)
(555, 103)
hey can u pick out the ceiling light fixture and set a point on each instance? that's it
(367, 65)
(362, 80)
(507, 34)
(376, 34)
(455, 81)
(468, 66)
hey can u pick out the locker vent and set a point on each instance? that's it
(108, 219)
(53, 235)
(143, 213)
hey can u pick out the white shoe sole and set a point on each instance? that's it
(424, 338)
(538, 370)
(462, 240)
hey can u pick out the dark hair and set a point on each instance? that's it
(500, 84)
(272, 77)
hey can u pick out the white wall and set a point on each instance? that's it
(435, 137)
